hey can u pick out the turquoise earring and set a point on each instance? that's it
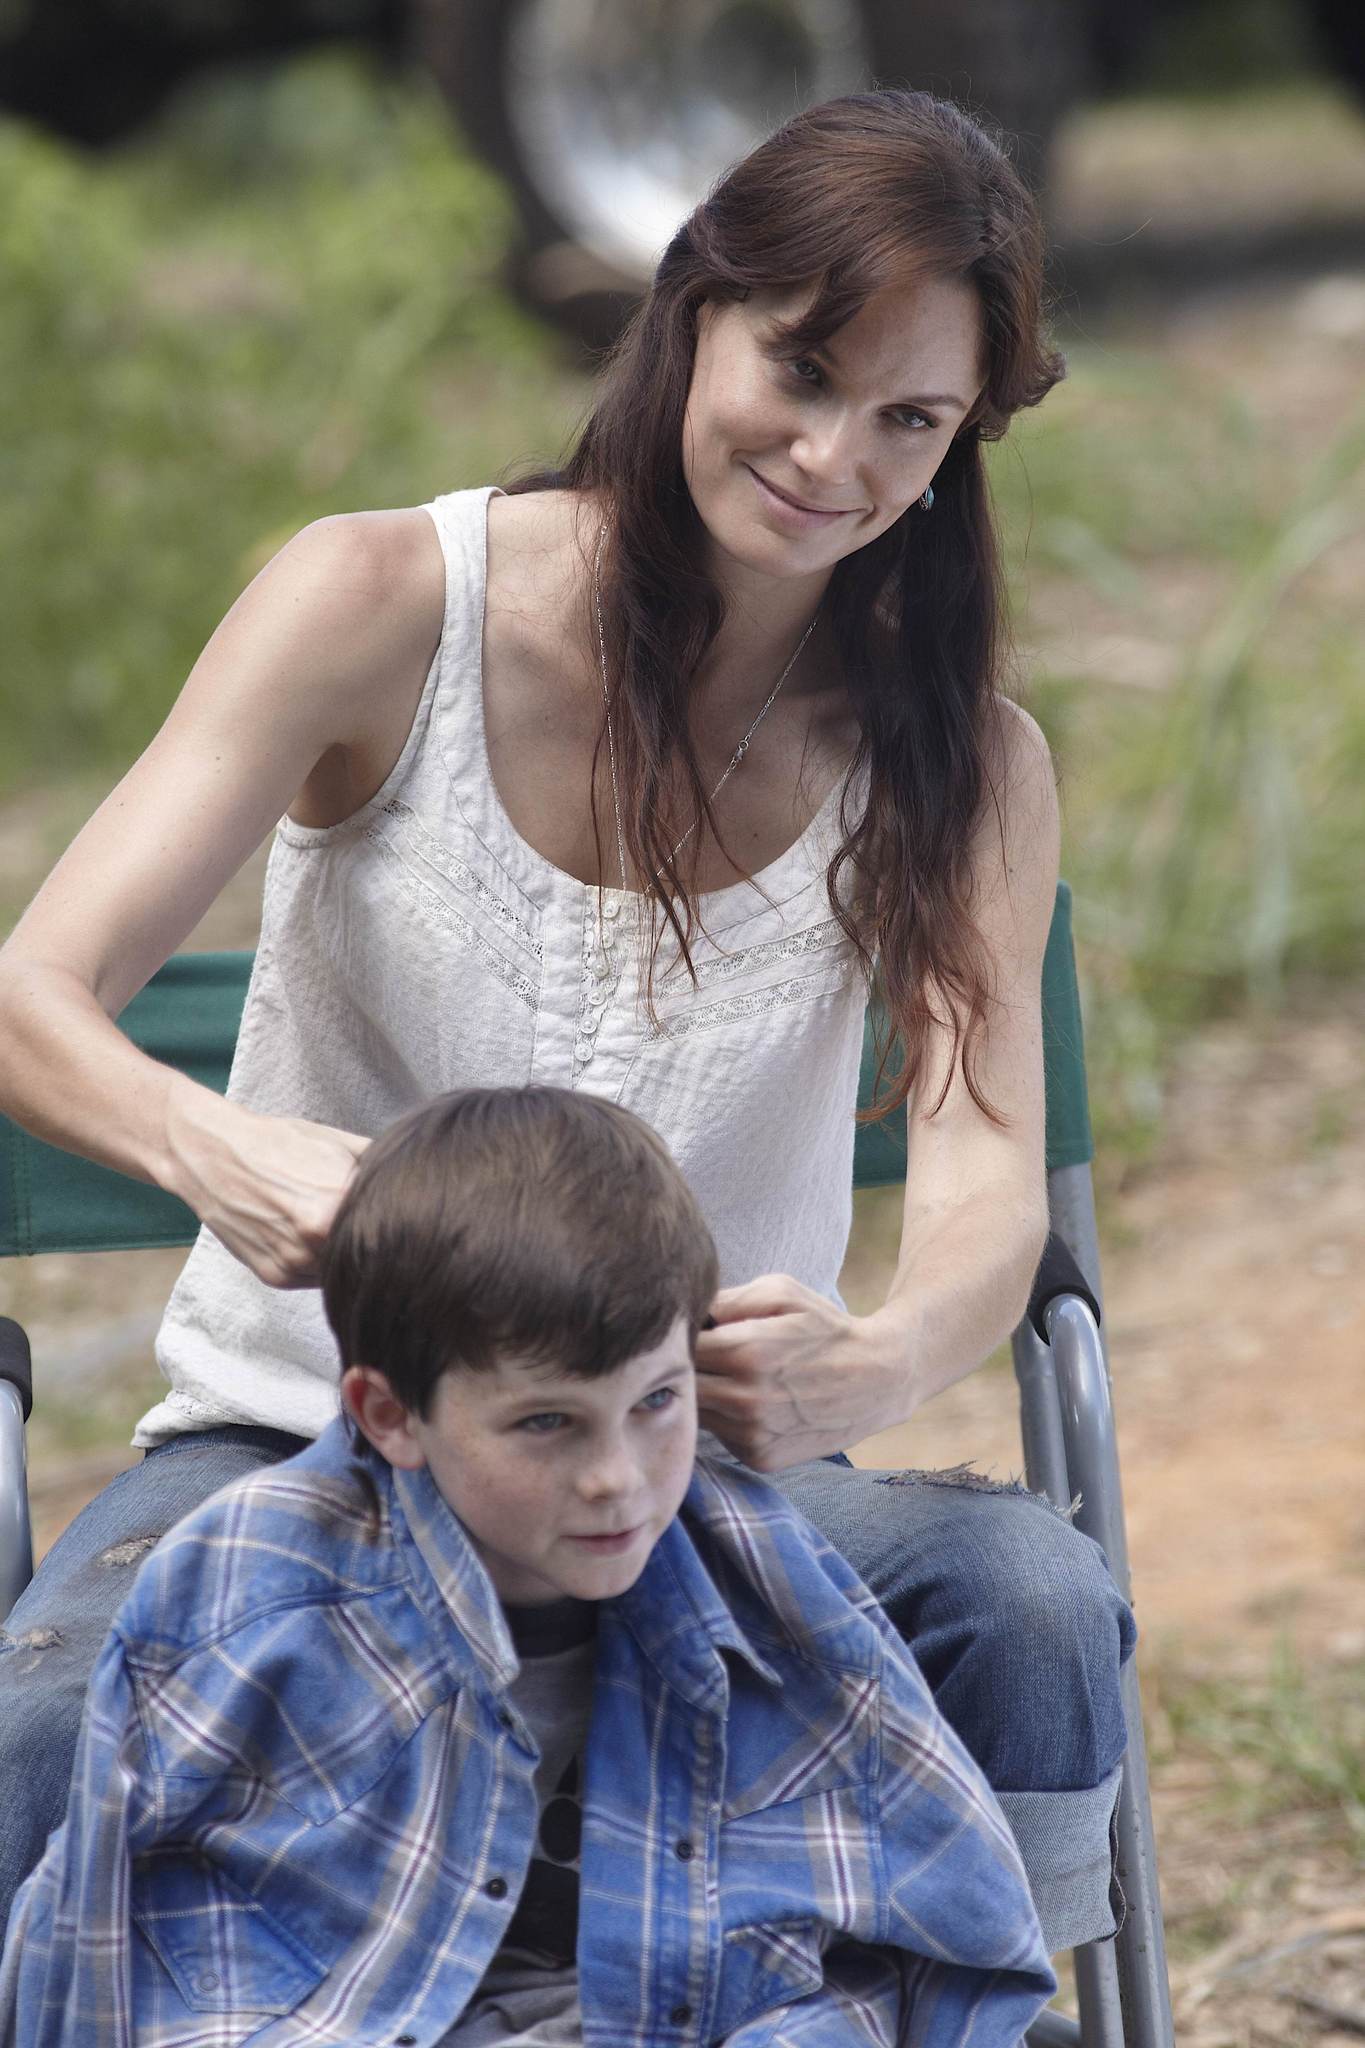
(926, 503)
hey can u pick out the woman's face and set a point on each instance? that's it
(795, 461)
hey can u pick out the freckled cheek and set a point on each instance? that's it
(740, 411)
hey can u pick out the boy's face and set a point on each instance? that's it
(564, 1484)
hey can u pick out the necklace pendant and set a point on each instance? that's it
(740, 751)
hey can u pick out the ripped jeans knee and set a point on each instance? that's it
(1009, 1609)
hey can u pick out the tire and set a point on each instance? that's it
(609, 118)
(1018, 64)
(1340, 26)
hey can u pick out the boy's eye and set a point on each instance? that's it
(542, 1425)
(803, 368)
(662, 1397)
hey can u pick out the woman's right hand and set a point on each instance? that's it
(268, 1187)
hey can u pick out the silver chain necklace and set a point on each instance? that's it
(740, 751)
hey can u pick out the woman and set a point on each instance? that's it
(626, 778)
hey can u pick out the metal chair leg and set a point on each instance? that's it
(1092, 1467)
(1040, 1420)
(1097, 1995)
(1053, 2030)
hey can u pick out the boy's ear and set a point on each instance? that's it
(381, 1416)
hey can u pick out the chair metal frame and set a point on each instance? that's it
(1070, 1453)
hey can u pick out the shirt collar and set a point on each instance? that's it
(675, 1611)
(455, 1586)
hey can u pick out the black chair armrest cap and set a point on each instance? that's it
(16, 1362)
(1057, 1274)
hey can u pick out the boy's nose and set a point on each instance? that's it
(611, 1475)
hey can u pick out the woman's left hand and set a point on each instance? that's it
(786, 1375)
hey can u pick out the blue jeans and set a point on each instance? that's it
(1012, 1614)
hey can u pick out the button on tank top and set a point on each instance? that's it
(422, 944)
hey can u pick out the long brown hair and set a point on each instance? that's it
(846, 198)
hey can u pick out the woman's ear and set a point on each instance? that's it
(381, 1417)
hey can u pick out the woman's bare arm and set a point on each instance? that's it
(787, 1375)
(976, 1218)
(308, 685)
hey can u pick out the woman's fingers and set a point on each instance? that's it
(773, 1294)
(267, 1187)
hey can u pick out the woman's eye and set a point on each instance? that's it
(662, 1397)
(911, 418)
(542, 1425)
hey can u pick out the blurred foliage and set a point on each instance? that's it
(1213, 829)
(1212, 46)
(280, 303)
(283, 302)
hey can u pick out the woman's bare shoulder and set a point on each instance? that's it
(1017, 843)
(381, 570)
(1017, 743)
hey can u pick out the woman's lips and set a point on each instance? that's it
(788, 511)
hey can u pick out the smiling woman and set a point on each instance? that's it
(635, 778)
(851, 435)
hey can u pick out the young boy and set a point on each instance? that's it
(493, 1717)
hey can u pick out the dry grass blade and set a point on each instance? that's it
(1351, 2022)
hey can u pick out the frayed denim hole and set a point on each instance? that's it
(972, 1481)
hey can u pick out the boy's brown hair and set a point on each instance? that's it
(528, 1223)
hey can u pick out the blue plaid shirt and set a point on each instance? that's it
(303, 1809)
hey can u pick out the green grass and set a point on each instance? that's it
(285, 301)
(1289, 1739)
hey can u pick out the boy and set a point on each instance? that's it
(488, 1718)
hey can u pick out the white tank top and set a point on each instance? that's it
(422, 945)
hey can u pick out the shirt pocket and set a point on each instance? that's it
(764, 1967)
(221, 1948)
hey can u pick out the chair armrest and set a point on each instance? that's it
(1057, 1274)
(16, 1542)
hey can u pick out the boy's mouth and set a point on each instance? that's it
(616, 1539)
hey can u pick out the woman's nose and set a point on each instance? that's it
(829, 450)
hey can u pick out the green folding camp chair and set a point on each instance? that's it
(188, 1016)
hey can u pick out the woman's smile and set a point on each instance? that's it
(793, 511)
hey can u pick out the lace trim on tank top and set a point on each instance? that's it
(525, 986)
(731, 1008)
(459, 872)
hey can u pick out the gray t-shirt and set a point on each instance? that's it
(528, 1997)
